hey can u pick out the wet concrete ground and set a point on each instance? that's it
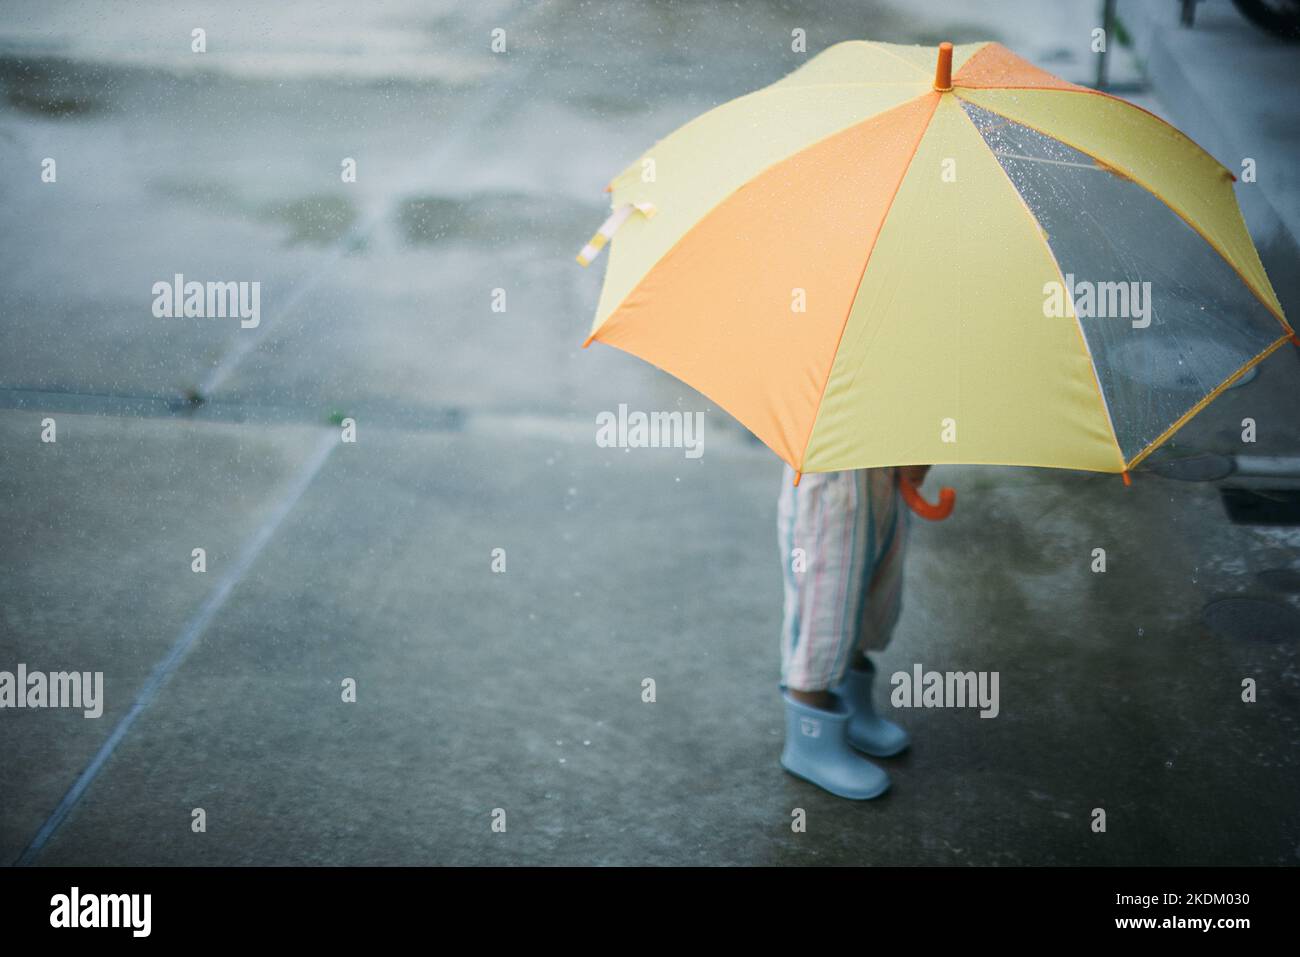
(372, 561)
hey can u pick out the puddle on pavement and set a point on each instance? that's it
(320, 220)
(494, 217)
(54, 90)
(1249, 506)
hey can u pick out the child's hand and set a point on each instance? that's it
(914, 474)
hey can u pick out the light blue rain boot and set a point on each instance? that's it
(817, 750)
(867, 731)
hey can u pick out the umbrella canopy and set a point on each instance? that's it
(897, 255)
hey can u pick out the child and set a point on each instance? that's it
(842, 537)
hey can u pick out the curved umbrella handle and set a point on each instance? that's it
(932, 512)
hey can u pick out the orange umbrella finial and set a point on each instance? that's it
(943, 70)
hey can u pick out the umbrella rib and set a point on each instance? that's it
(1127, 463)
(632, 170)
(881, 47)
(1051, 254)
(830, 368)
(1274, 311)
(1041, 159)
(1190, 413)
(1086, 89)
(959, 81)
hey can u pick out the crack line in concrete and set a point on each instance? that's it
(186, 641)
(152, 406)
(725, 433)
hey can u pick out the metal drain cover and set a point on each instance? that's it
(1281, 579)
(1261, 506)
(1252, 618)
(1203, 467)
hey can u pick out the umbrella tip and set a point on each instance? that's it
(943, 69)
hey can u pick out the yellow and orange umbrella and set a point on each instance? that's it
(894, 257)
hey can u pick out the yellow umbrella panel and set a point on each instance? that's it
(891, 257)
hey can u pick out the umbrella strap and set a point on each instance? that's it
(609, 227)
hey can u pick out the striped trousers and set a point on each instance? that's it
(842, 537)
